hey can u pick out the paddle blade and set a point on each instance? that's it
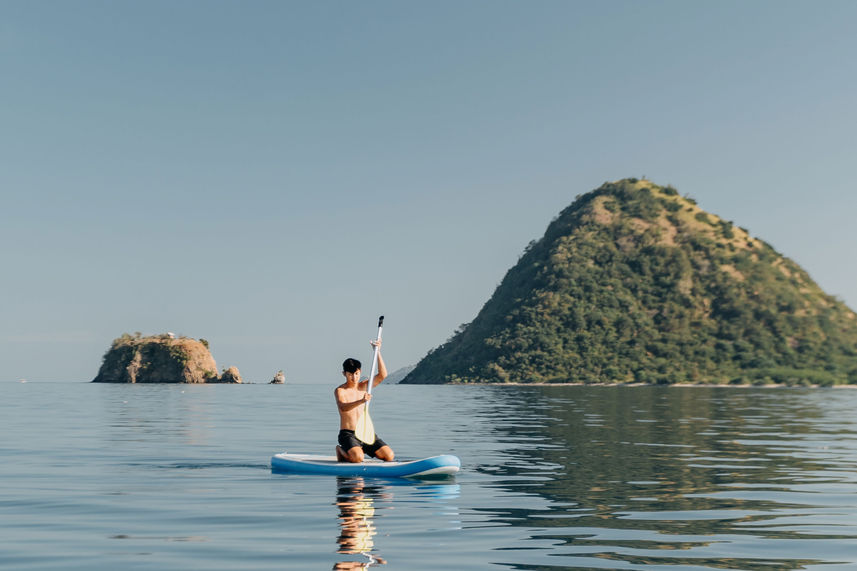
(365, 431)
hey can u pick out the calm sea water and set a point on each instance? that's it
(178, 477)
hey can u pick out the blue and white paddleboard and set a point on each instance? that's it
(436, 466)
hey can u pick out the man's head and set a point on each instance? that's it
(350, 365)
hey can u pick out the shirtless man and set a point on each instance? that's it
(350, 398)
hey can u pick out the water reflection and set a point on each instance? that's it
(142, 412)
(356, 502)
(678, 476)
(361, 502)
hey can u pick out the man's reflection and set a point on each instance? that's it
(355, 501)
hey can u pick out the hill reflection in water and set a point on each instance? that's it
(699, 477)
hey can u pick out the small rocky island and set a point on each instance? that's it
(161, 359)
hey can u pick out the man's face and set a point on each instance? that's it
(352, 377)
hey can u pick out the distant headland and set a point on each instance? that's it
(161, 358)
(635, 283)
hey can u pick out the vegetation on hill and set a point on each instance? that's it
(635, 283)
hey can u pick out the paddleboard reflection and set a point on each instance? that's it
(361, 501)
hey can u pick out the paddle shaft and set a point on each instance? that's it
(365, 430)
(375, 359)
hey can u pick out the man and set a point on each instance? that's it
(350, 398)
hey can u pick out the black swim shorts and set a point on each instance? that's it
(348, 440)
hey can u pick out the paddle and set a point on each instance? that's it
(365, 430)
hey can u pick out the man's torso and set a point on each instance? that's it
(348, 419)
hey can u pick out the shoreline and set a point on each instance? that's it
(672, 385)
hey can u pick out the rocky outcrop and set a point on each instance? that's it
(160, 359)
(230, 375)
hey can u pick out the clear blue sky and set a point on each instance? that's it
(272, 176)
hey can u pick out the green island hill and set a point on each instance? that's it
(634, 283)
(161, 359)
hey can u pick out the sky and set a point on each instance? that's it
(273, 176)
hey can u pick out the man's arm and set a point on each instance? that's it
(382, 368)
(347, 406)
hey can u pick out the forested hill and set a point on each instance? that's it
(635, 283)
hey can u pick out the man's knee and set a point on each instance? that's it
(385, 453)
(355, 455)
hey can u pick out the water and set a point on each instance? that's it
(178, 477)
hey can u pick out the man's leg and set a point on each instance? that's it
(385, 453)
(350, 448)
(340, 454)
(354, 455)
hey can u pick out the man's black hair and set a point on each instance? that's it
(351, 365)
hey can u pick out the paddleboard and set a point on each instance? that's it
(435, 466)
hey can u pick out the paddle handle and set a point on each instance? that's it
(375, 357)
